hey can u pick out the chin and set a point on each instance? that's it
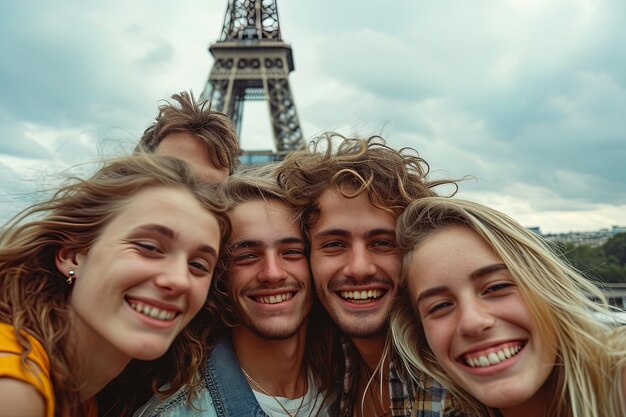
(502, 400)
(149, 351)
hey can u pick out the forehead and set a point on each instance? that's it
(180, 143)
(263, 220)
(185, 146)
(351, 214)
(454, 249)
(173, 207)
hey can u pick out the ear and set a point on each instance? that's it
(67, 259)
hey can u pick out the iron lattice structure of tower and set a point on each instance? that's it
(253, 63)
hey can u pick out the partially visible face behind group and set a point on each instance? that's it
(192, 150)
(146, 275)
(476, 322)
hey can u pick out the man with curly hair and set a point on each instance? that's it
(348, 194)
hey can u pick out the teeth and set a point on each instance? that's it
(493, 358)
(362, 295)
(507, 352)
(153, 312)
(273, 299)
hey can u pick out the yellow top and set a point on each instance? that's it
(11, 365)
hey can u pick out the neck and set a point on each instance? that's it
(96, 365)
(372, 397)
(370, 350)
(276, 365)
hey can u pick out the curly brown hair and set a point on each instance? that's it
(391, 178)
(214, 129)
(34, 295)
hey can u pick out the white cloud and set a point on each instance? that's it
(528, 96)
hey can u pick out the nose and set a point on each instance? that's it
(174, 277)
(359, 263)
(272, 270)
(475, 317)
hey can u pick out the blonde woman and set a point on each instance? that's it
(491, 312)
(110, 269)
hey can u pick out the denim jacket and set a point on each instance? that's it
(224, 392)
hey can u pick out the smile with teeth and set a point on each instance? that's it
(361, 297)
(274, 299)
(493, 358)
(151, 311)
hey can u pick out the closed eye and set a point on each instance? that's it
(333, 244)
(439, 308)
(147, 247)
(243, 258)
(384, 245)
(293, 252)
(200, 267)
(499, 287)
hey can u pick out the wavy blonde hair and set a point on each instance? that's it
(586, 380)
(34, 295)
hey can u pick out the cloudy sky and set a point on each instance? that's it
(528, 96)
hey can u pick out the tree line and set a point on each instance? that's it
(605, 263)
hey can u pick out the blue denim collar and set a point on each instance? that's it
(229, 389)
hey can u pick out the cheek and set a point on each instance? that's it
(393, 266)
(236, 280)
(199, 295)
(438, 338)
(321, 270)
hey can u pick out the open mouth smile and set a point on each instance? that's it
(273, 299)
(362, 297)
(492, 357)
(152, 311)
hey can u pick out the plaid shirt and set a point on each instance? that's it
(429, 399)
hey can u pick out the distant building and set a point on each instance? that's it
(615, 293)
(618, 229)
(593, 238)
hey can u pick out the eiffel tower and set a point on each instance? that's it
(253, 63)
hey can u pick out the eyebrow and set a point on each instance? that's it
(249, 244)
(157, 228)
(345, 233)
(479, 273)
(170, 234)
(486, 270)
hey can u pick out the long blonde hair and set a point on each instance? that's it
(33, 293)
(591, 355)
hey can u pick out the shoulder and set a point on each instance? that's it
(23, 380)
(19, 399)
(10, 345)
(177, 405)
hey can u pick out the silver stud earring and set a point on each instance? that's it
(71, 278)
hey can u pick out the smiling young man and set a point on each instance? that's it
(349, 193)
(268, 361)
(191, 131)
